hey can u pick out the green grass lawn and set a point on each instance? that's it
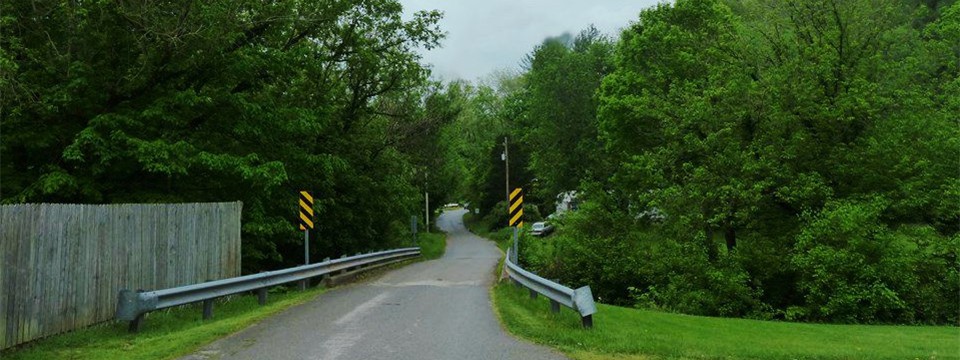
(624, 333)
(165, 334)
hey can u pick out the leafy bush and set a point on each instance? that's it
(685, 281)
(628, 266)
(579, 254)
(854, 268)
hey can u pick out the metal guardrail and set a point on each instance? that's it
(580, 300)
(132, 305)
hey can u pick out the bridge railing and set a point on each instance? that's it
(132, 305)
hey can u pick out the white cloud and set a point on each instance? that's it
(483, 36)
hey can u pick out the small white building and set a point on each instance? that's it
(566, 201)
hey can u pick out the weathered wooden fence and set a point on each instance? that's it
(62, 265)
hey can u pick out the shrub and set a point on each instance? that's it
(853, 268)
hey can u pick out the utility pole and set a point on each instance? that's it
(426, 205)
(506, 160)
(516, 230)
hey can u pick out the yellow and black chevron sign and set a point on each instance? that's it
(306, 210)
(516, 208)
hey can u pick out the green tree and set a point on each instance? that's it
(208, 101)
(735, 118)
(559, 124)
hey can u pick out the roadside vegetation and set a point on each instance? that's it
(484, 228)
(227, 100)
(432, 245)
(794, 160)
(623, 333)
(166, 334)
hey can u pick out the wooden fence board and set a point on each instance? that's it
(62, 265)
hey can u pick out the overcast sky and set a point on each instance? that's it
(487, 35)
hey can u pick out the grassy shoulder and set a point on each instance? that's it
(479, 227)
(166, 334)
(625, 333)
(432, 245)
(502, 236)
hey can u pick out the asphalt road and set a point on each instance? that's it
(438, 309)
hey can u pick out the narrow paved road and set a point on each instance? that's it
(438, 309)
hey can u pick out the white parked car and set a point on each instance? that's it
(541, 228)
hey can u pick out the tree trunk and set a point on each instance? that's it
(731, 236)
(708, 243)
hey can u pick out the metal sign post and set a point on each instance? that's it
(516, 245)
(426, 202)
(413, 228)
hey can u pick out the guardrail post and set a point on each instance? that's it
(344, 271)
(262, 296)
(533, 294)
(587, 321)
(134, 326)
(554, 305)
(325, 280)
(208, 309)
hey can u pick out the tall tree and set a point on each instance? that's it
(560, 124)
(215, 100)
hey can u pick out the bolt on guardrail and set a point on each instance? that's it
(132, 305)
(580, 300)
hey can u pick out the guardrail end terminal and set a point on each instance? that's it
(583, 298)
(127, 305)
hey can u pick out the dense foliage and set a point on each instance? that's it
(792, 160)
(191, 101)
